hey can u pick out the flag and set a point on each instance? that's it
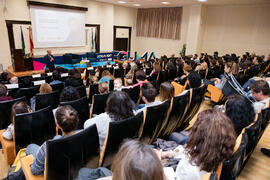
(31, 43)
(23, 45)
(92, 39)
(96, 41)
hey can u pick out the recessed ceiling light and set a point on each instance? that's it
(122, 2)
(136, 5)
(165, 2)
(202, 0)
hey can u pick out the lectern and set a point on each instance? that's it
(18, 60)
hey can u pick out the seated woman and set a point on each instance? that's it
(166, 91)
(106, 77)
(17, 108)
(134, 161)
(118, 107)
(44, 89)
(211, 141)
(67, 119)
(228, 84)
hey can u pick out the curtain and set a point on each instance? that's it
(159, 22)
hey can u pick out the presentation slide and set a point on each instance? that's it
(54, 27)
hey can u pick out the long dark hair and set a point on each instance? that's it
(118, 106)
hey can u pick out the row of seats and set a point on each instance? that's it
(140, 126)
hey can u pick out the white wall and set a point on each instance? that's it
(5, 58)
(165, 46)
(237, 28)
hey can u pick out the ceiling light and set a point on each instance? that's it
(122, 2)
(202, 0)
(136, 5)
(165, 2)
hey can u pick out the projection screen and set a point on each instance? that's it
(53, 27)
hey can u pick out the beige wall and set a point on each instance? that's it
(237, 28)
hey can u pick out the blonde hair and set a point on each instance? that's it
(45, 88)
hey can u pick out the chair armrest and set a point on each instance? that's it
(8, 148)
(26, 162)
(214, 93)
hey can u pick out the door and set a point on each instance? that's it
(122, 38)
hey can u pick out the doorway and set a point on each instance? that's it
(122, 38)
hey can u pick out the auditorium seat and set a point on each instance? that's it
(25, 163)
(134, 93)
(118, 72)
(210, 176)
(265, 119)
(27, 92)
(252, 132)
(177, 113)
(65, 156)
(93, 89)
(34, 127)
(98, 104)
(48, 99)
(81, 90)
(178, 88)
(195, 101)
(117, 132)
(82, 107)
(58, 86)
(5, 111)
(154, 116)
(214, 93)
(232, 167)
(8, 149)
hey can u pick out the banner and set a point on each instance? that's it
(31, 42)
(23, 45)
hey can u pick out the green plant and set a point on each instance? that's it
(183, 51)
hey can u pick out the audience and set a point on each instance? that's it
(148, 95)
(74, 78)
(260, 91)
(118, 107)
(106, 77)
(117, 84)
(240, 110)
(140, 78)
(136, 161)
(103, 88)
(17, 108)
(4, 93)
(69, 93)
(56, 78)
(211, 141)
(13, 80)
(43, 89)
(66, 121)
(166, 91)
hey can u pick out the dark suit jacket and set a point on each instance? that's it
(48, 63)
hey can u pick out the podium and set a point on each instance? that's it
(18, 60)
(21, 64)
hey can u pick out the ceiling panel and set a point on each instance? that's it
(174, 3)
